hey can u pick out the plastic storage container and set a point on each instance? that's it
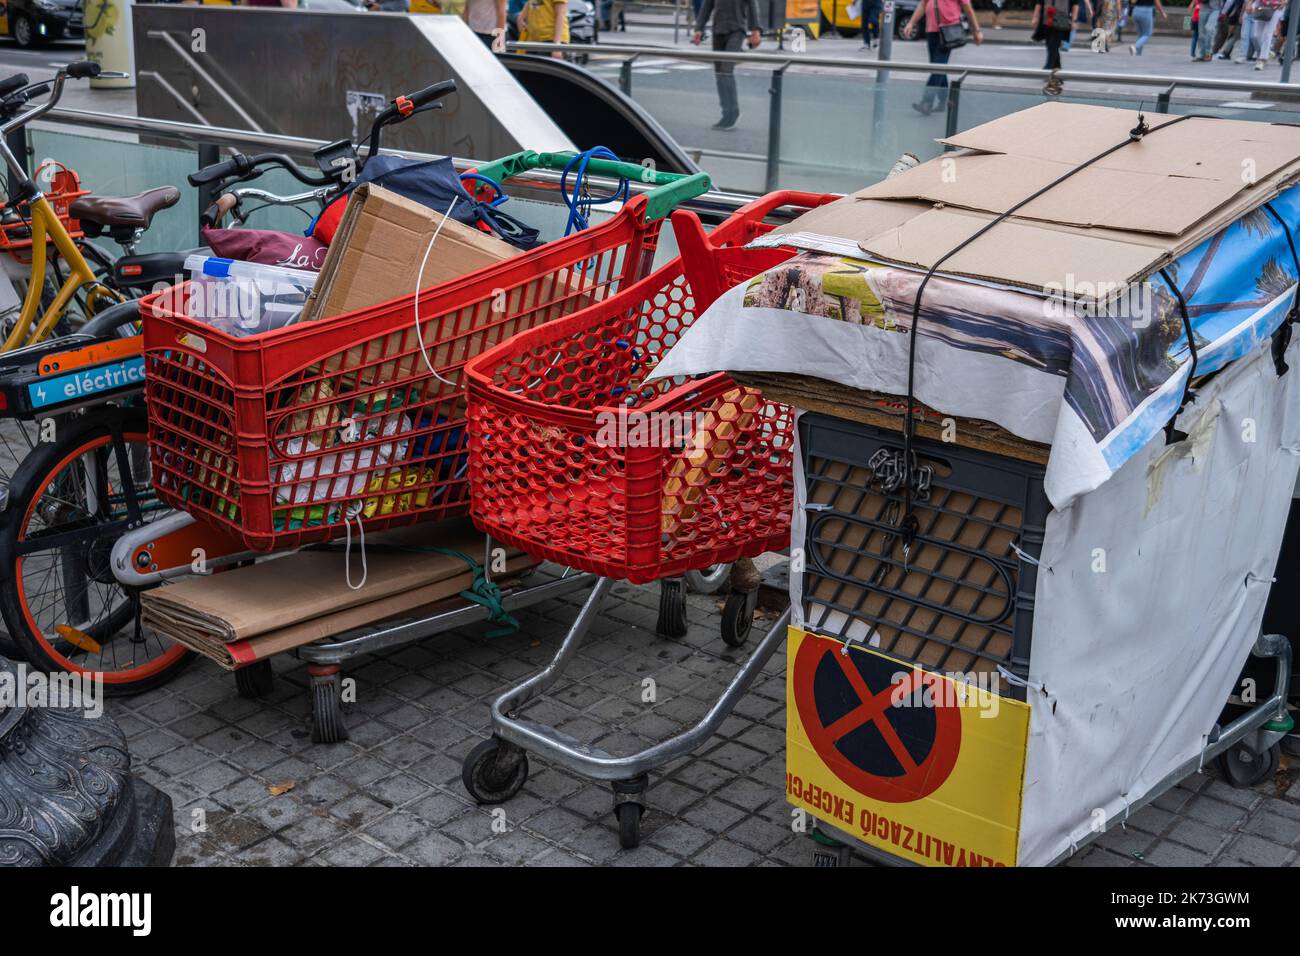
(283, 437)
(962, 599)
(244, 298)
(576, 457)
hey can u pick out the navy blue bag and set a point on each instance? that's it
(434, 183)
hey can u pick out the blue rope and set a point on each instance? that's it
(579, 200)
(499, 193)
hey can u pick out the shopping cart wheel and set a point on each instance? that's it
(327, 726)
(255, 680)
(494, 771)
(1244, 768)
(629, 807)
(672, 608)
(738, 617)
(827, 851)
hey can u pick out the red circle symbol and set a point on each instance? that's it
(890, 731)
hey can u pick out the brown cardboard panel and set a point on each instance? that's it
(1016, 252)
(1135, 199)
(1114, 222)
(377, 252)
(245, 602)
(423, 601)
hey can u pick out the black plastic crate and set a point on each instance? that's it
(962, 599)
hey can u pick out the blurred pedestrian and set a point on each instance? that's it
(732, 21)
(1229, 29)
(870, 23)
(997, 13)
(1051, 23)
(1083, 14)
(1264, 16)
(1144, 18)
(545, 21)
(486, 18)
(940, 17)
(1211, 10)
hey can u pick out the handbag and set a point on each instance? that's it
(951, 36)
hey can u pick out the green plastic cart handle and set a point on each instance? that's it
(671, 189)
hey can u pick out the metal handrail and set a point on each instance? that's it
(198, 135)
(776, 60)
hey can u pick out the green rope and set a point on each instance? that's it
(482, 592)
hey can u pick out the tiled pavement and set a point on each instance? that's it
(392, 794)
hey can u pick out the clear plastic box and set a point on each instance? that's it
(245, 298)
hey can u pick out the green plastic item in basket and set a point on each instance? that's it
(670, 189)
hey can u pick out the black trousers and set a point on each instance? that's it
(1053, 40)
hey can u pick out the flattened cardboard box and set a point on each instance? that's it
(1111, 224)
(376, 253)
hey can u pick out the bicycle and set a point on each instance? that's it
(71, 499)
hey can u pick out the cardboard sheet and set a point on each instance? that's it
(377, 251)
(1113, 223)
(272, 595)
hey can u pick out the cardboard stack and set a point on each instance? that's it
(248, 614)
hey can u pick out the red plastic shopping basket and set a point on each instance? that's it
(64, 186)
(576, 458)
(283, 437)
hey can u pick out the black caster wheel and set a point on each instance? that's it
(827, 851)
(629, 824)
(494, 771)
(327, 726)
(1243, 768)
(255, 680)
(738, 618)
(672, 608)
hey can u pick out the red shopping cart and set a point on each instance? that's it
(576, 455)
(282, 438)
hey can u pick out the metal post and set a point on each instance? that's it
(16, 140)
(1162, 101)
(208, 154)
(954, 98)
(880, 103)
(774, 127)
(625, 75)
(1288, 50)
(677, 19)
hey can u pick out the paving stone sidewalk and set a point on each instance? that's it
(392, 795)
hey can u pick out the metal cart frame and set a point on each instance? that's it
(496, 769)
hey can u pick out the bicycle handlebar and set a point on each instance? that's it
(242, 166)
(14, 83)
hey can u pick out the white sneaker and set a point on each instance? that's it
(1132, 49)
(1240, 59)
(1259, 64)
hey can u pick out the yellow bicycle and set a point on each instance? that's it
(40, 315)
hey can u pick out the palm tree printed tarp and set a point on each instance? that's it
(1097, 383)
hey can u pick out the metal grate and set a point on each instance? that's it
(961, 599)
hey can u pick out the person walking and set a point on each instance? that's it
(938, 14)
(871, 23)
(1264, 16)
(1051, 24)
(545, 21)
(1229, 29)
(1082, 15)
(1144, 18)
(732, 20)
(486, 18)
(1211, 10)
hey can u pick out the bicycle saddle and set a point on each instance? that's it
(136, 211)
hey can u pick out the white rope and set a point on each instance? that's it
(419, 278)
(347, 547)
(1024, 555)
(1017, 681)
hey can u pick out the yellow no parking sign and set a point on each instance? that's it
(925, 767)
